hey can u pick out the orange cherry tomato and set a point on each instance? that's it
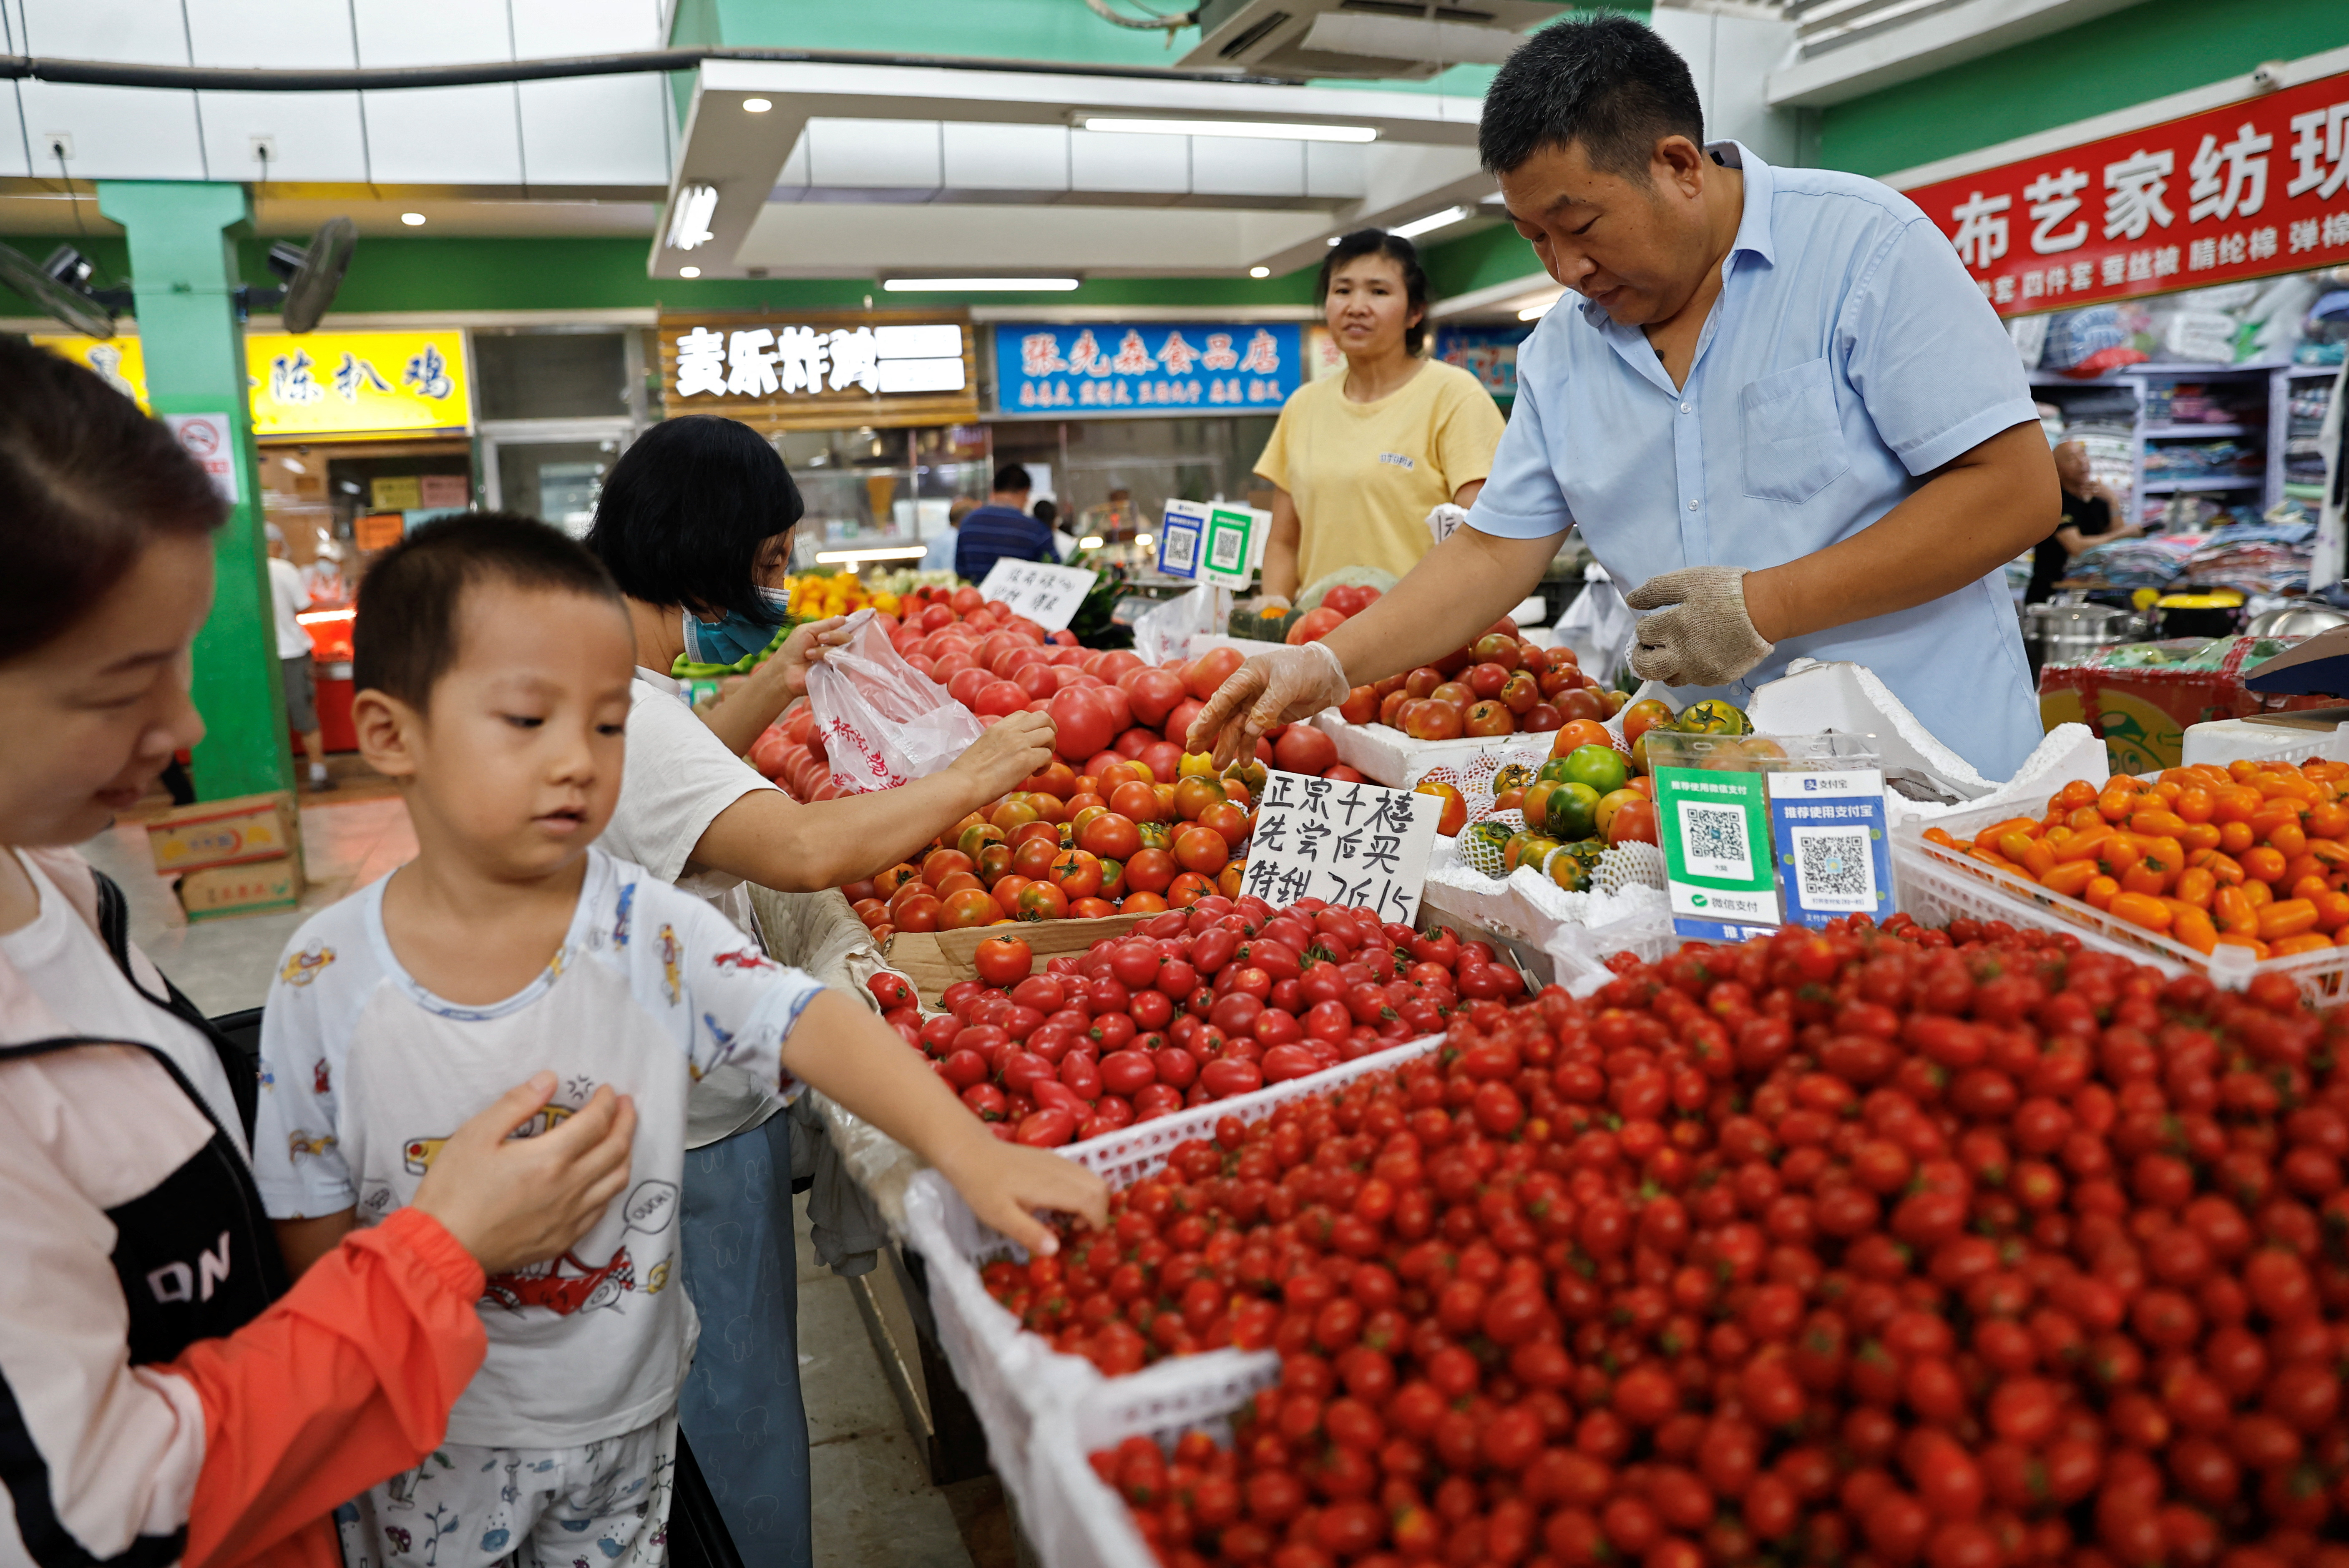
(2332, 910)
(2289, 917)
(2193, 927)
(2156, 823)
(2085, 817)
(2100, 892)
(2194, 803)
(2306, 942)
(2079, 792)
(2263, 864)
(2195, 886)
(2141, 908)
(2148, 876)
(2070, 878)
(2231, 908)
(2200, 835)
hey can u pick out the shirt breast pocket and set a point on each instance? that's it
(1793, 440)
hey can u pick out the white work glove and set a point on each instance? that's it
(1702, 635)
(1270, 690)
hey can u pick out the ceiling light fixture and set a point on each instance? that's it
(413, 220)
(757, 106)
(1536, 311)
(1332, 241)
(1090, 542)
(688, 219)
(978, 285)
(877, 553)
(1432, 221)
(1259, 272)
(689, 272)
(1262, 130)
(1141, 539)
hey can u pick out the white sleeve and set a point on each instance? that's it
(676, 777)
(739, 1005)
(298, 1160)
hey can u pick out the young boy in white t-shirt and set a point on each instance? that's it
(494, 663)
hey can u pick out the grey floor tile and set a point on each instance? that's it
(875, 1507)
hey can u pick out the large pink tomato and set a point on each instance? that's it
(1085, 723)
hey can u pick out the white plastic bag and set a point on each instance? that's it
(883, 722)
(1598, 626)
(1164, 630)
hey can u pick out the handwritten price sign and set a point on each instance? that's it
(1048, 595)
(1347, 843)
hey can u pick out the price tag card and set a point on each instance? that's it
(1180, 534)
(1234, 545)
(1346, 843)
(1717, 862)
(1048, 595)
(1828, 831)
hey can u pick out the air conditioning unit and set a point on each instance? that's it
(1386, 39)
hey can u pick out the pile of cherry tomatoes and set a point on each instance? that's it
(1962, 1248)
(1498, 684)
(1191, 1006)
(2253, 855)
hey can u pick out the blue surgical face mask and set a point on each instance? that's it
(735, 637)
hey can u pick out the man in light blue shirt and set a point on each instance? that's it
(1780, 407)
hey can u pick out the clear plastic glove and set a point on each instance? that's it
(1702, 634)
(1270, 690)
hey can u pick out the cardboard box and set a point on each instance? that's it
(217, 893)
(934, 960)
(225, 832)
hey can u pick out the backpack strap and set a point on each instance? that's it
(242, 1065)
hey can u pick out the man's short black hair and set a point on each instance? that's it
(690, 511)
(1013, 476)
(405, 636)
(1605, 81)
(1396, 248)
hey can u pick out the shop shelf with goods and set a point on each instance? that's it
(2166, 430)
(2295, 426)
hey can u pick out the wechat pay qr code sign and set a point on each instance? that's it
(1344, 843)
(1717, 867)
(1048, 595)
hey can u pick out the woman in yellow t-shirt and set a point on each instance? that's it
(1359, 461)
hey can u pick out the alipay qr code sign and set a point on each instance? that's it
(1180, 532)
(1717, 859)
(1828, 830)
(1048, 595)
(1344, 843)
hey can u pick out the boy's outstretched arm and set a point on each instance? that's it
(840, 1047)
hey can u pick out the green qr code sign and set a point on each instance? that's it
(1227, 545)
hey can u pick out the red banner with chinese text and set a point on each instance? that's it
(2248, 191)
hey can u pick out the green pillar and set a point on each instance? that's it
(184, 273)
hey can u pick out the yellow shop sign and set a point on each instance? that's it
(322, 384)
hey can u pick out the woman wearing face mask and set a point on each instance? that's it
(164, 1396)
(1359, 461)
(694, 523)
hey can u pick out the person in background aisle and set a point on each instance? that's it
(1002, 530)
(1778, 405)
(1064, 543)
(2088, 519)
(941, 554)
(201, 1424)
(492, 661)
(288, 597)
(687, 517)
(1356, 462)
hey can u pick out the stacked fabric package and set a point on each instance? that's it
(2260, 557)
(2125, 564)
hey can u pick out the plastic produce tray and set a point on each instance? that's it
(1013, 1378)
(1936, 884)
(1077, 1520)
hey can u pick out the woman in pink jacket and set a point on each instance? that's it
(164, 1396)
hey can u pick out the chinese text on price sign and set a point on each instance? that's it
(1048, 595)
(1343, 843)
(2246, 190)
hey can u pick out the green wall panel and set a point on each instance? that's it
(2146, 51)
(1493, 255)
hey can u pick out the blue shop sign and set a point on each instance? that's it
(1159, 367)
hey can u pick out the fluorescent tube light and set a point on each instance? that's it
(1434, 220)
(1263, 130)
(877, 553)
(978, 285)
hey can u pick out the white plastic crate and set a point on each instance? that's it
(1013, 1378)
(1935, 884)
(1078, 1521)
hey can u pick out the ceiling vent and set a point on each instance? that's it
(1378, 39)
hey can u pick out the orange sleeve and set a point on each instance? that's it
(345, 1382)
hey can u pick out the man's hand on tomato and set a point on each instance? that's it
(1270, 690)
(1702, 634)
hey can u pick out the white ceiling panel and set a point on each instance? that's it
(874, 154)
(1007, 157)
(429, 32)
(119, 133)
(863, 240)
(1145, 165)
(594, 130)
(794, 176)
(555, 28)
(270, 33)
(444, 136)
(149, 32)
(1244, 166)
(1335, 169)
(317, 137)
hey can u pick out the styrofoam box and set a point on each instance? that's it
(1077, 1521)
(1385, 755)
(1013, 1378)
(1934, 885)
(2223, 740)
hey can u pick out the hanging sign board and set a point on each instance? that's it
(1180, 533)
(1185, 367)
(348, 385)
(1346, 843)
(2246, 190)
(1048, 595)
(818, 370)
